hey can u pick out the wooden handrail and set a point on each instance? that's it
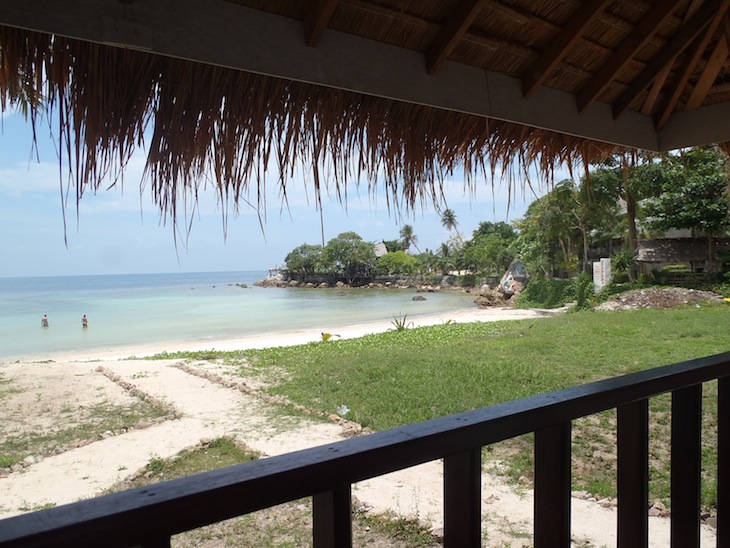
(148, 515)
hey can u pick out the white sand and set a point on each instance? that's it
(207, 410)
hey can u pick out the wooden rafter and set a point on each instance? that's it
(317, 20)
(636, 40)
(667, 55)
(571, 33)
(656, 87)
(698, 48)
(450, 34)
(707, 78)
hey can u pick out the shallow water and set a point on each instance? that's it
(160, 309)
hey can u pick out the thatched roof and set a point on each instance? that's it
(393, 92)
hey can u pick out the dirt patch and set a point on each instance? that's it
(655, 297)
(48, 408)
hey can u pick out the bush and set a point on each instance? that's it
(547, 293)
(583, 291)
(722, 289)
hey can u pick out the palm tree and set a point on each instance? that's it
(448, 220)
(408, 237)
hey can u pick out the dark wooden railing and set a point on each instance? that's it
(148, 516)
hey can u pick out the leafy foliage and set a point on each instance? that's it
(694, 194)
(306, 260)
(398, 262)
(489, 251)
(547, 293)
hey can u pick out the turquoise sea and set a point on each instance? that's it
(127, 311)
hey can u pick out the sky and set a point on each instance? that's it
(120, 230)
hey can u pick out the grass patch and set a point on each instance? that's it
(408, 376)
(90, 422)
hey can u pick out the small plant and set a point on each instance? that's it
(401, 323)
(623, 263)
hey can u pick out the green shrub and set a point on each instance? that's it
(722, 289)
(547, 293)
(583, 291)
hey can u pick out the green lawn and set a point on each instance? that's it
(407, 376)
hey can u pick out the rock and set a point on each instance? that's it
(29, 460)
(605, 503)
(418, 298)
(658, 509)
(340, 285)
(323, 285)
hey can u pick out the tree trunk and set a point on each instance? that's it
(631, 220)
(710, 254)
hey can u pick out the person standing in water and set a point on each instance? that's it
(84, 321)
(44, 321)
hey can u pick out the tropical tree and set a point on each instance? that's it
(488, 252)
(547, 239)
(631, 178)
(408, 238)
(306, 260)
(694, 195)
(448, 221)
(397, 262)
(428, 260)
(350, 256)
(451, 255)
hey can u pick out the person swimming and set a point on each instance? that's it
(44, 321)
(84, 321)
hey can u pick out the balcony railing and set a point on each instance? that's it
(148, 516)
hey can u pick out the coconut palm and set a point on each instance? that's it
(408, 237)
(448, 220)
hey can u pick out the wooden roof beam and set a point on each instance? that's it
(656, 87)
(641, 34)
(317, 19)
(707, 78)
(450, 34)
(689, 64)
(571, 33)
(667, 55)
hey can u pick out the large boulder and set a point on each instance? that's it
(515, 279)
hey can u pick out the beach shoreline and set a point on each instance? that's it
(286, 337)
(207, 402)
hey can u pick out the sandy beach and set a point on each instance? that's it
(206, 401)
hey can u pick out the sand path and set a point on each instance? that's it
(207, 407)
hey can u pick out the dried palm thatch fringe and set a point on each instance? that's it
(202, 124)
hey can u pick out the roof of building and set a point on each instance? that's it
(395, 92)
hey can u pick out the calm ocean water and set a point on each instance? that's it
(160, 309)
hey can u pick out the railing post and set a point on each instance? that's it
(463, 499)
(332, 518)
(161, 542)
(552, 486)
(723, 457)
(686, 466)
(633, 474)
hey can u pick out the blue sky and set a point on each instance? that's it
(119, 231)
